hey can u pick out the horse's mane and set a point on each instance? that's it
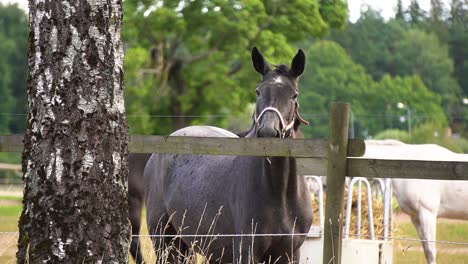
(281, 69)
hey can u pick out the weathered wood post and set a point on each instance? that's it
(336, 172)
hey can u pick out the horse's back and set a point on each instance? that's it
(203, 131)
(159, 165)
(176, 179)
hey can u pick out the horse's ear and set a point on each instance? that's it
(259, 62)
(298, 64)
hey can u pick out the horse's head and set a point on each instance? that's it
(277, 108)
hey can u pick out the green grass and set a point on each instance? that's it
(414, 257)
(10, 210)
(411, 251)
(11, 198)
(455, 231)
(9, 215)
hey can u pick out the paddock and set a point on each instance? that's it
(336, 157)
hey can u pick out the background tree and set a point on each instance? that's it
(436, 20)
(458, 37)
(370, 41)
(75, 148)
(5, 84)
(399, 11)
(13, 67)
(400, 50)
(332, 75)
(416, 14)
(191, 58)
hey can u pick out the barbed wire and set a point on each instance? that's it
(408, 239)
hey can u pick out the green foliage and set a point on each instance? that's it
(369, 41)
(435, 22)
(13, 67)
(425, 106)
(399, 12)
(332, 76)
(411, 251)
(458, 37)
(192, 58)
(334, 11)
(422, 54)
(435, 134)
(5, 84)
(400, 49)
(462, 144)
(397, 134)
(416, 14)
(10, 210)
(427, 133)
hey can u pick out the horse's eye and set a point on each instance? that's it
(258, 92)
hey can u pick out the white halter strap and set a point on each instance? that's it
(284, 128)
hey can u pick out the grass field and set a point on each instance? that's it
(447, 230)
(404, 252)
(10, 209)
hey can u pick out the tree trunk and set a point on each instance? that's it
(178, 88)
(75, 148)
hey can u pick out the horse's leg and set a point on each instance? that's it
(425, 223)
(168, 248)
(134, 211)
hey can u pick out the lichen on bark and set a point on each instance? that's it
(75, 154)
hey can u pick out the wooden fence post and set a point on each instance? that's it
(336, 173)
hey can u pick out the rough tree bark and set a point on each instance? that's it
(75, 148)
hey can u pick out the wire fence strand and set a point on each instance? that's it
(409, 239)
(249, 115)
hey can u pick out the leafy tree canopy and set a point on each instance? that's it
(333, 76)
(192, 58)
(13, 67)
(394, 48)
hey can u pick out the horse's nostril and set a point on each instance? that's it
(268, 132)
(277, 134)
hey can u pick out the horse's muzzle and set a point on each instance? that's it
(268, 132)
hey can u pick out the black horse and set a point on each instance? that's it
(202, 194)
(137, 163)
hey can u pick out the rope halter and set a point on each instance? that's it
(284, 128)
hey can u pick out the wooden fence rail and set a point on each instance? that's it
(337, 156)
(311, 153)
(302, 148)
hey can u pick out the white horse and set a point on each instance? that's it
(424, 200)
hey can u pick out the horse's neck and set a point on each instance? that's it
(281, 172)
